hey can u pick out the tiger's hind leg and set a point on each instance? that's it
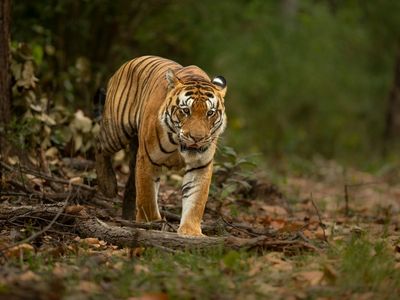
(129, 201)
(107, 182)
(147, 185)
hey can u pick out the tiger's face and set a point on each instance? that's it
(196, 112)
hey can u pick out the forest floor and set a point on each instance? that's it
(339, 228)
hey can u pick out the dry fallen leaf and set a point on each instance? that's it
(88, 287)
(308, 234)
(136, 252)
(18, 250)
(266, 289)
(321, 233)
(74, 209)
(76, 180)
(275, 259)
(81, 122)
(255, 267)
(93, 243)
(59, 271)
(90, 241)
(141, 269)
(28, 276)
(278, 223)
(311, 277)
(13, 160)
(274, 210)
(151, 296)
(330, 272)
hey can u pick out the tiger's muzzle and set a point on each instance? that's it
(194, 143)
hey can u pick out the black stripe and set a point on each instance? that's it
(114, 130)
(149, 87)
(152, 161)
(171, 139)
(128, 98)
(160, 144)
(104, 138)
(117, 84)
(169, 118)
(187, 196)
(139, 91)
(127, 76)
(106, 142)
(148, 156)
(173, 122)
(198, 168)
(217, 127)
(186, 189)
(153, 64)
(187, 183)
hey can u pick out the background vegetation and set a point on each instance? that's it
(313, 86)
(305, 77)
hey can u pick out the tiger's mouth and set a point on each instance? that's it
(194, 148)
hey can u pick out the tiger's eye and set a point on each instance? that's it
(186, 110)
(210, 113)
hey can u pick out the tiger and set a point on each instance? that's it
(171, 116)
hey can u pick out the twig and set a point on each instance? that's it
(166, 249)
(321, 224)
(170, 216)
(47, 177)
(37, 234)
(39, 218)
(346, 200)
(26, 195)
(291, 243)
(360, 184)
(238, 228)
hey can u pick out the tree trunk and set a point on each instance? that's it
(392, 127)
(5, 76)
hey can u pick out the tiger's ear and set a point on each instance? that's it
(172, 79)
(220, 83)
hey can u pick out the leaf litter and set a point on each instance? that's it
(309, 208)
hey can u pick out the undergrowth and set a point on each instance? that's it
(348, 269)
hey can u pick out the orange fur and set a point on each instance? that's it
(177, 114)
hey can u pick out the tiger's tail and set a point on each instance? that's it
(99, 99)
(106, 179)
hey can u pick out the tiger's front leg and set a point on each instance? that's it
(147, 185)
(196, 184)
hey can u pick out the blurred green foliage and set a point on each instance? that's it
(305, 77)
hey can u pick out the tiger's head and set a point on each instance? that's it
(195, 110)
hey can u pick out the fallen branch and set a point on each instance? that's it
(89, 226)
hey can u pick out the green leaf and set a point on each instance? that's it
(232, 259)
(227, 190)
(37, 53)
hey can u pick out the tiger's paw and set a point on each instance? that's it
(143, 217)
(190, 231)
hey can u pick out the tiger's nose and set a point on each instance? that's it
(196, 137)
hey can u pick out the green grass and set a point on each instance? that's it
(351, 267)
